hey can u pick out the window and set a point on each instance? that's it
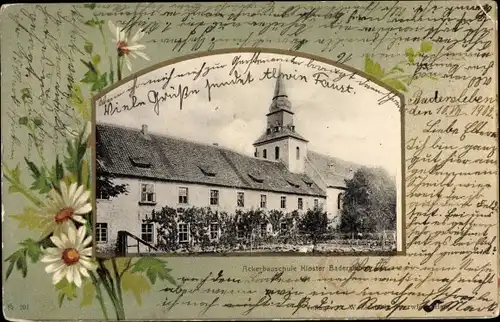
(183, 232)
(300, 204)
(283, 202)
(297, 153)
(101, 232)
(240, 201)
(183, 195)
(340, 200)
(147, 193)
(214, 197)
(264, 153)
(214, 231)
(263, 230)
(147, 232)
(277, 152)
(316, 203)
(263, 201)
(256, 153)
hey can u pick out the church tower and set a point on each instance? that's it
(280, 141)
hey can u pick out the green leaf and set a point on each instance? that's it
(96, 59)
(21, 264)
(372, 68)
(89, 77)
(88, 47)
(78, 102)
(85, 173)
(37, 121)
(135, 283)
(90, 6)
(42, 183)
(397, 69)
(31, 219)
(154, 268)
(100, 83)
(17, 259)
(29, 248)
(33, 250)
(410, 54)
(425, 46)
(35, 173)
(396, 84)
(66, 291)
(59, 170)
(91, 23)
(15, 176)
(23, 120)
(88, 293)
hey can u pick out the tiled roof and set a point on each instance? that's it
(174, 159)
(332, 170)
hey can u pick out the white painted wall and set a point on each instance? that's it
(287, 153)
(125, 212)
(332, 195)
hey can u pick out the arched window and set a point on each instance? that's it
(264, 153)
(339, 200)
(297, 153)
(277, 152)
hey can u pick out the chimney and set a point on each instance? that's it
(144, 132)
(216, 144)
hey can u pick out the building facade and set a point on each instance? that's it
(161, 171)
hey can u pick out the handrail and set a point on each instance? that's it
(123, 244)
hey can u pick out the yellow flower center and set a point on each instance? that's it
(64, 214)
(70, 256)
(122, 47)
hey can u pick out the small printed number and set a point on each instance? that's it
(24, 307)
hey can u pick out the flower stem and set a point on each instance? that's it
(110, 288)
(119, 68)
(103, 274)
(118, 284)
(99, 295)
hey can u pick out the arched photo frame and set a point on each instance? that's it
(175, 174)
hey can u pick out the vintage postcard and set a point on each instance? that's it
(250, 160)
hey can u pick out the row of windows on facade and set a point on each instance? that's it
(183, 232)
(277, 153)
(149, 196)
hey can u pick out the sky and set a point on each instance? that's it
(352, 127)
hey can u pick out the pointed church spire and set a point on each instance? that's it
(280, 98)
(279, 89)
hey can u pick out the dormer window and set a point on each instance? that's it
(140, 162)
(207, 170)
(256, 177)
(307, 181)
(293, 183)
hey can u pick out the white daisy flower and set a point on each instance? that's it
(70, 205)
(71, 258)
(126, 47)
